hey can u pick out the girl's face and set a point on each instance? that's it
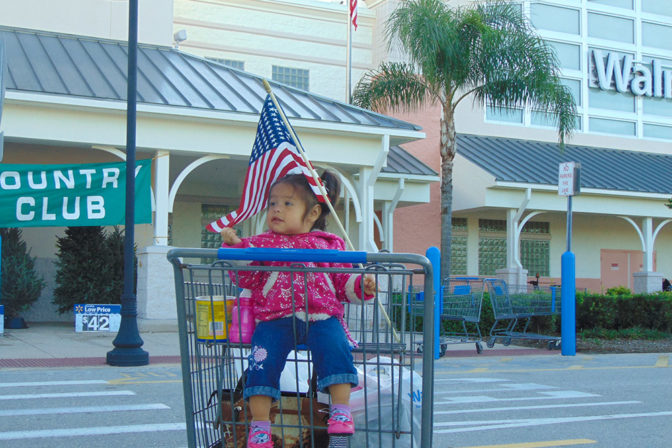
(286, 212)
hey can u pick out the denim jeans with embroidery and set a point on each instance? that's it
(273, 340)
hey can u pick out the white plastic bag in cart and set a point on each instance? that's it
(297, 364)
(380, 410)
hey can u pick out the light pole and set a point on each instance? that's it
(127, 351)
(569, 184)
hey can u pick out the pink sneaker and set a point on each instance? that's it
(340, 423)
(259, 439)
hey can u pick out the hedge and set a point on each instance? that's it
(609, 312)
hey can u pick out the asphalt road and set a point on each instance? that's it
(610, 401)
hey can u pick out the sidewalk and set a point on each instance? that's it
(57, 345)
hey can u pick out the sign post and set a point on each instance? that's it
(569, 184)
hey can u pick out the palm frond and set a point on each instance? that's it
(392, 86)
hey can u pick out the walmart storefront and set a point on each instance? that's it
(616, 58)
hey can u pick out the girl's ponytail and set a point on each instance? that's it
(333, 186)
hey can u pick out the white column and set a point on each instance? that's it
(156, 286)
(511, 239)
(647, 229)
(514, 274)
(162, 192)
(366, 201)
(388, 217)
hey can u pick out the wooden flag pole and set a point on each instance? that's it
(316, 178)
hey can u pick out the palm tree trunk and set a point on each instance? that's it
(447, 149)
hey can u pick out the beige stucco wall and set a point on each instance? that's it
(304, 34)
(106, 19)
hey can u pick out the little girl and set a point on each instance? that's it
(284, 301)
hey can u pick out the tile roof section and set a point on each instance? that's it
(61, 64)
(525, 161)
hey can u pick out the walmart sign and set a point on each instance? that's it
(71, 195)
(625, 75)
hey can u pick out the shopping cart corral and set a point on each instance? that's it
(393, 403)
(459, 310)
(514, 309)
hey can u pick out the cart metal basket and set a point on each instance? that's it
(393, 403)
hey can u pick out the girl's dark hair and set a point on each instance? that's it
(302, 187)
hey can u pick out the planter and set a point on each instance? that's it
(15, 323)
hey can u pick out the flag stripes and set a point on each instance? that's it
(274, 155)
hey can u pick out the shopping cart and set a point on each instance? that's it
(392, 405)
(460, 308)
(514, 308)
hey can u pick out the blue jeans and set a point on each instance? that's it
(273, 340)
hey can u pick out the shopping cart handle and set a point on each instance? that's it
(308, 255)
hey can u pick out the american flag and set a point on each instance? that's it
(353, 13)
(274, 155)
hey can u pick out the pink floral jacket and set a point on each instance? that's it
(272, 291)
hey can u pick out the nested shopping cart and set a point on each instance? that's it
(459, 312)
(393, 403)
(514, 307)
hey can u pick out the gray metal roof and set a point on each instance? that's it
(525, 161)
(401, 162)
(61, 64)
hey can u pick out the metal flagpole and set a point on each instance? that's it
(348, 57)
(322, 190)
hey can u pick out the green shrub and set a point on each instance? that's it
(21, 284)
(618, 291)
(90, 266)
(650, 311)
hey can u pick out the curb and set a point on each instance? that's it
(76, 362)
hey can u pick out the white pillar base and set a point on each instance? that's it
(647, 282)
(515, 278)
(156, 285)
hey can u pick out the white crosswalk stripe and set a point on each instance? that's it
(455, 397)
(88, 412)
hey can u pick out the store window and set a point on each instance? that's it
(491, 246)
(555, 18)
(603, 26)
(294, 77)
(535, 244)
(505, 114)
(657, 36)
(625, 4)
(663, 7)
(574, 86)
(657, 106)
(606, 126)
(611, 100)
(569, 55)
(240, 65)
(210, 213)
(547, 120)
(458, 247)
(657, 131)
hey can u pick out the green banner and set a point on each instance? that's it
(72, 195)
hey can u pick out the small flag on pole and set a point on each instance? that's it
(353, 13)
(274, 155)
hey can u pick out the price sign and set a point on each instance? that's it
(97, 318)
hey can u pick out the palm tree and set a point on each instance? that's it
(486, 51)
